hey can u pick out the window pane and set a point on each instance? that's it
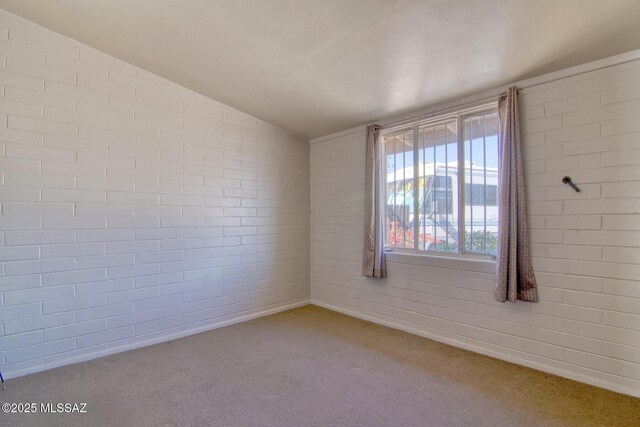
(399, 190)
(438, 203)
(481, 183)
(481, 194)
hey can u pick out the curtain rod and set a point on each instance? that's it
(465, 107)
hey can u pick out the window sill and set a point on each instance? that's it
(478, 263)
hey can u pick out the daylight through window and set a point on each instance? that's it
(441, 187)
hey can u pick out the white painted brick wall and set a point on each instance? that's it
(586, 246)
(133, 209)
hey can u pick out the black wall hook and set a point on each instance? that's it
(567, 180)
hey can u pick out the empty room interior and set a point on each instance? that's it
(320, 213)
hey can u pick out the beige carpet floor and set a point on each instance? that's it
(312, 367)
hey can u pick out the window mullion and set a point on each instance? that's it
(461, 186)
(383, 191)
(416, 189)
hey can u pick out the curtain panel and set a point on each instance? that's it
(373, 259)
(515, 279)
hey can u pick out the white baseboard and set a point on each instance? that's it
(155, 340)
(598, 382)
(348, 311)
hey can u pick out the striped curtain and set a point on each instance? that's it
(373, 261)
(515, 278)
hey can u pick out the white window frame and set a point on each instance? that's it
(459, 115)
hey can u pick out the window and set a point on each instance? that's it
(481, 194)
(441, 187)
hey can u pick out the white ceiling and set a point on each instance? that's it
(315, 67)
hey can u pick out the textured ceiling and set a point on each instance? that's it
(316, 67)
